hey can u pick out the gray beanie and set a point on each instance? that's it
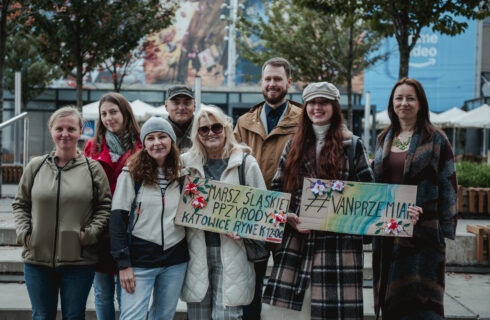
(156, 124)
(320, 90)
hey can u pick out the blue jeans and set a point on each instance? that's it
(44, 284)
(166, 283)
(105, 285)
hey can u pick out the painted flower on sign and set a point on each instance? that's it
(191, 189)
(318, 188)
(393, 227)
(338, 185)
(199, 202)
(278, 218)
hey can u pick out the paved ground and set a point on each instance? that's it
(467, 295)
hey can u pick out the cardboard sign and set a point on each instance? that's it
(220, 207)
(357, 207)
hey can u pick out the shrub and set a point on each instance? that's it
(472, 174)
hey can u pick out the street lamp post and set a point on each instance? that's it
(231, 38)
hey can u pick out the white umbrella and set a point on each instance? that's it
(476, 118)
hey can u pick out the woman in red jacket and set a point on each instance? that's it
(116, 139)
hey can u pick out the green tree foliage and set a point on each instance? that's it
(79, 35)
(37, 74)
(12, 17)
(319, 46)
(405, 19)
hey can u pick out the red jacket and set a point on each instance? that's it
(106, 263)
(112, 169)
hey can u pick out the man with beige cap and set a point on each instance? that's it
(266, 128)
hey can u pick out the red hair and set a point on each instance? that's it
(330, 160)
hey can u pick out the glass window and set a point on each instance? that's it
(41, 105)
(49, 94)
(234, 97)
(71, 95)
(213, 98)
(252, 98)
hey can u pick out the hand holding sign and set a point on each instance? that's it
(359, 207)
(239, 211)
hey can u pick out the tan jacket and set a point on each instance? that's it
(267, 149)
(55, 205)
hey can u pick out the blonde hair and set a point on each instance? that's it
(66, 112)
(231, 144)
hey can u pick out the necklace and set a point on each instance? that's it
(402, 145)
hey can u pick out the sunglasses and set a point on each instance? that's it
(217, 128)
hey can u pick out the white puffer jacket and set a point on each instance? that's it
(238, 272)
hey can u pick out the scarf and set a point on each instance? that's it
(116, 148)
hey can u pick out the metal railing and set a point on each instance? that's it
(26, 133)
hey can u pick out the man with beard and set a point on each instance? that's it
(266, 128)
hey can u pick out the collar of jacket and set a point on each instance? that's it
(75, 162)
(287, 125)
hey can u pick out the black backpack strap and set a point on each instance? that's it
(137, 186)
(241, 169)
(95, 194)
(39, 168)
(352, 156)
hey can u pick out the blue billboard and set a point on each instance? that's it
(444, 65)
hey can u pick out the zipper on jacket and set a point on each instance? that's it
(163, 212)
(57, 215)
(137, 215)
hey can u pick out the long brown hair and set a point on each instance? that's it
(129, 122)
(331, 156)
(144, 168)
(422, 124)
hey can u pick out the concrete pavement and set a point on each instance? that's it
(466, 297)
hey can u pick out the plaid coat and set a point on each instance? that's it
(408, 273)
(331, 262)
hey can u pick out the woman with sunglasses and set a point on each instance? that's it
(219, 279)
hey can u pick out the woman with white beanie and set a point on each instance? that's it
(318, 274)
(154, 255)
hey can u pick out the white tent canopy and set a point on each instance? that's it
(476, 118)
(445, 118)
(91, 111)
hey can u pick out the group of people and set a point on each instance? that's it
(105, 216)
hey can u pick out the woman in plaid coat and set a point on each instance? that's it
(318, 274)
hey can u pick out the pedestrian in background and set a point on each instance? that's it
(318, 274)
(408, 273)
(61, 208)
(220, 279)
(116, 139)
(154, 256)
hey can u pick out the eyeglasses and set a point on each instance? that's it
(217, 128)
